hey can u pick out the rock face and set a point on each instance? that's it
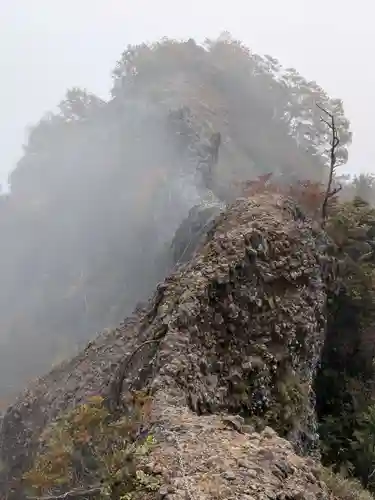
(237, 330)
(199, 222)
(203, 457)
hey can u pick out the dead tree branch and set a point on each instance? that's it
(335, 141)
(70, 495)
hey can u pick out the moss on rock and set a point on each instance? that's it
(237, 330)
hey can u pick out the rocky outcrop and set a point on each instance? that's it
(193, 230)
(238, 330)
(210, 457)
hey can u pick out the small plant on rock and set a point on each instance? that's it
(86, 450)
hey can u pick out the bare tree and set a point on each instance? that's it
(333, 164)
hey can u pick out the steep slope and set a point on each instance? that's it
(238, 330)
(102, 186)
(345, 382)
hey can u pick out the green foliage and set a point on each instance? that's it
(352, 229)
(86, 448)
(364, 444)
(345, 381)
(293, 396)
(343, 488)
(289, 402)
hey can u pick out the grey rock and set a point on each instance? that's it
(229, 475)
(166, 356)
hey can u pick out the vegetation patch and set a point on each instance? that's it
(345, 381)
(87, 450)
(291, 404)
(344, 488)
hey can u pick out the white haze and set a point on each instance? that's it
(82, 266)
(48, 46)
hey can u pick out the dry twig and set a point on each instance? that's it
(70, 495)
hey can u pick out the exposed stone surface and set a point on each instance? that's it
(199, 222)
(204, 458)
(237, 330)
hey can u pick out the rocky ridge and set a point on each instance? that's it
(213, 457)
(237, 330)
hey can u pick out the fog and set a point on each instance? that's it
(104, 182)
(50, 46)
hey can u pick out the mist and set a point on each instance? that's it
(48, 48)
(81, 244)
(103, 184)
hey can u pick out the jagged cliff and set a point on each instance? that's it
(236, 330)
(102, 186)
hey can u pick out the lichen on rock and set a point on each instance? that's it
(237, 330)
(249, 325)
(204, 458)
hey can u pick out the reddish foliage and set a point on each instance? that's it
(259, 185)
(309, 195)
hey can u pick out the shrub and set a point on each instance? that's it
(87, 448)
(364, 444)
(345, 381)
(343, 488)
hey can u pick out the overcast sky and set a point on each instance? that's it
(49, 45)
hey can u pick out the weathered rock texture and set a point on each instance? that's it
(237, 330)
(192, 231)
(208, 458)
